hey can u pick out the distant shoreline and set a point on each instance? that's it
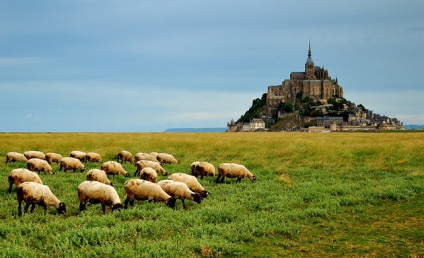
(195, 130)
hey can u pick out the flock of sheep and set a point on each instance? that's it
(99, 189)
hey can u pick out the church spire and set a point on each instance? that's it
(309, 50)
(309, 61)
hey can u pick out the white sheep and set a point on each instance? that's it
(151, 164)
(233, 170)
(34, 193)
(145, 156)
(202, 168)
(34, 154)
(113, 168)
(82, 156)
(125, 156)
(179, 190)
(97, 192)
(15, 156)
(40, 165)
(93, 157)
(165, 158)
(149, 174)
(70, 163)
(53, 157)
(98, 175)
(191, 182)
(20, 175)
(144, 190)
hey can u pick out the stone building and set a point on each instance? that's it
(314, 83)
(256, 124)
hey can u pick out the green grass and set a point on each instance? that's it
(337, 194)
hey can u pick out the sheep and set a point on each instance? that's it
(53, 157)
(34, 193)
(39, 165)
(124, 156)
(191, 182)
(15, 156)
(82, 156)
(97, 192)
(202, 168)
(20, 175)
(149, 174)
(34, 154)
(98, 175)
(233, 170)
(145, 156)
(113, 168)
(165, 158)
(93, 157)
(144, 190)
(179, 190)
(70, 163)
(146, 163)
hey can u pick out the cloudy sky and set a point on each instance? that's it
(143, 66)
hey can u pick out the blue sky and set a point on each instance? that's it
(130, 66)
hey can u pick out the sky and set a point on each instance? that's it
(146, 66)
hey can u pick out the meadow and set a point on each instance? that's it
(316, 195)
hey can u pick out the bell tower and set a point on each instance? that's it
(309, 65)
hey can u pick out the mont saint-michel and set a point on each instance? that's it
(310, 100)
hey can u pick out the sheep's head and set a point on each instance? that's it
(204, 194)
(196, 197)
(62, 208)
(117, 206)
(127, 175)
(171, 202)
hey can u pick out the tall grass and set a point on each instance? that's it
(302, 179)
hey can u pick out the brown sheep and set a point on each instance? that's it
(191, 182)
(15, 156)
(34, 154)
(20, 175)
(113, 168)
(97, 192)
(82, 156)
(125, 156)
(151, 164)
(39, 165)
(69, 163)
(202, 169)
(179, 190)
(93, 157)
(53, 157)
(233, 170)
(144, 190)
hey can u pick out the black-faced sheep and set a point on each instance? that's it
(53, 157)
(82, 156)
(20, 175)
(39, 165)
(34, 154)
(15, 156)
(34, 193)
(202, 169)
(144, 190)
(179, 190)
(125, 156)
(191, 182)
(233, 170)
(98, 175)
(151, 164)
(145, 156)
(165, 158)
(149, 174)
(96, 192)
(113, 168)
(69, 163)
(93, 157)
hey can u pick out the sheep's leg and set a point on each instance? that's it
(82, 206)
(222, 179)
(19, 207)
(238, 180)
(32, 208)
(104, 208)
(10, 187)
(26, 207)
(45, 209)
(184, 206)
(217, 179)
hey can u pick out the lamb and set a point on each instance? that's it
(97, 192)
(82, 156)
(165, 158)
(53, 157)
(202, 168)
(73, 164)
(233, 170)
(39, 165)
(15, 156)
(20, 175)
(144, 190)
(98, 175)
(34, 154)
(146, 163)
(113, 168)
(93, 157)
(179, 190)
(191, 182)
(34, 193)
(145, 156)
(125, 156)
(149, 174)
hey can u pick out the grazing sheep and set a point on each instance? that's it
(53, 157)
(165, 158)
(191, 182)
(125, 156)
(233, 170)
(149, 174)
(145, 156)
(39, 165)
(34, 193)
(179, 190)
(73, 164)
(82, 156)
(202, 168)
(113, 168)
(20, 175)
(144, 190)
(97, 192)
(15, 156)
(151, 164)
(98, 175)
(34, 154)
(93, 157)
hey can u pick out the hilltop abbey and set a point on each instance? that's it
(314, 83)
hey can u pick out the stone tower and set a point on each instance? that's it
(309, 65)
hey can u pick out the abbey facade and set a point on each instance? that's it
(314, 83)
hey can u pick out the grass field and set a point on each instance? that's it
(316, 195)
